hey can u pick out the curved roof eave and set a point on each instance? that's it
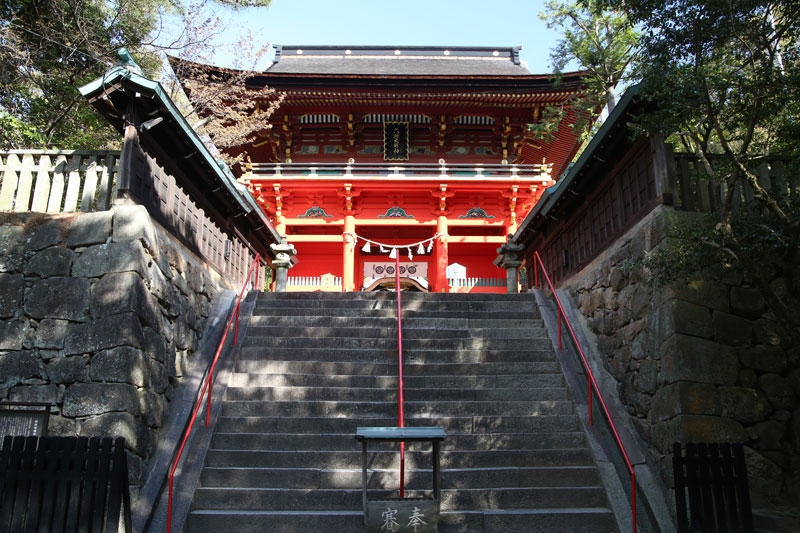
(569, 79)
(552, 194)
(119, 74)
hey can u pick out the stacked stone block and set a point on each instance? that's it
(99, 315)
(701, 361)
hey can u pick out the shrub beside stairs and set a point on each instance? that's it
(314, 366)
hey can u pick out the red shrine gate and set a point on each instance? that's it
(420, 147)
(458, 214)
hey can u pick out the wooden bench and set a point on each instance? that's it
(64, 484)
(713, 478)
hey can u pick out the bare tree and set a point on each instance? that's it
(219, 103)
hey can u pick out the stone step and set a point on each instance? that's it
(346, 441)
(391, 459)
(329, 478)
(531, 343)
(315, 366)
(527, 305)
(380, 296)
(390, 332)
(321, 351)
(307, 408)
(502, 313)
(391, 322)
(350, 499)
(451, 424)
(573, 520)
(390, 368)
(390, 394)
(551, 380)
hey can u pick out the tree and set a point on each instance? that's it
(602, 41)
(219, 103)
(725, 76)
(50, 47)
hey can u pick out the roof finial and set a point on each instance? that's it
(126, 61)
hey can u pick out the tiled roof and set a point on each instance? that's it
(402, 61)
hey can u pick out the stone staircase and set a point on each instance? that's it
(314, 366)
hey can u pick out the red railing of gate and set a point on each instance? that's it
(591, 382)
(209, 382)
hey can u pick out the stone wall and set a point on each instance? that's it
(99, 315)
(697, 361)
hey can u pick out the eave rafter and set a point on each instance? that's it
(512, 194)
(319, 99)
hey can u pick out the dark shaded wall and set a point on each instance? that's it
(100, 313)
(697, 360)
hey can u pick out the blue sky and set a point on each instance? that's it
(406, 22)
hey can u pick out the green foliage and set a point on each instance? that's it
(602, 42)
(684, 253)
(267, 283)
(14, 132)
(50, 48)
(696, 243)
(725, 78)
(725, 74)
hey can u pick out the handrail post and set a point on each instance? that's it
(559, 330)
(401, 414)
(236, 328)
(208, 404)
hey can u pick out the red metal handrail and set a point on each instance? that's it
(208, 384)
(591, 382)
(401, 417)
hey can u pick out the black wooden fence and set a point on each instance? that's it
(64, 484)
(713, 478)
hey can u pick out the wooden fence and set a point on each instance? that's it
(68, 181)
(57, 181)
(314, 283)
(694, 190)
(625, 192)
(631, 188)
(64, 484)
(711, 489)
(477, 282)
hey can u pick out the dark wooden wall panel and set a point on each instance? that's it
(172, 207)
(620, 199)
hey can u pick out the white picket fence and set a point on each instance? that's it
(314, 282)
(477, 282)
(57, 181)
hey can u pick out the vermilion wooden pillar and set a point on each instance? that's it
(440, 257)
(349, 254)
